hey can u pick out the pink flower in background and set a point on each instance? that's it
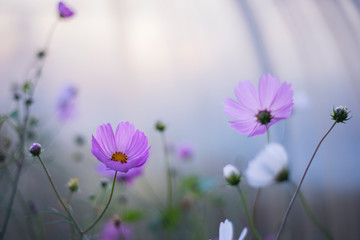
(65, 105)
(257, 110)
(185, 151)
(115, 230)
(122, 151)
(64, 11)
(125, 177)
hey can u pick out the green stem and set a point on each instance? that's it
(58, 196)
(252, 225)
(167, 162)
(299, 185)
(107, 205)
(311, 215)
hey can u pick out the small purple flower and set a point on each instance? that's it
(127, 178)
(65, 105)
(115, 229)
(122, 151)
(258, 110)
(64, 11)
(184, 151)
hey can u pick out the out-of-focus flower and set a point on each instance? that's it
(35, 149)
(65, 105)
(258, 110)
(73, 184)
(115, 230)
(126, 149)
(64, 11)
(269, 166)
(160, 126)
(231, 174)
(184, 151)
(124, 177)
(226, 231)
(340, 114)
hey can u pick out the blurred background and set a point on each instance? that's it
(177, 61)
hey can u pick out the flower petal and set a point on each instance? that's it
(236, 110)
(98, 152)
(283, 99)
(105, 138)
(244, 126)
(226, 230)
(123, 135)
(268, 88)
(248, 96)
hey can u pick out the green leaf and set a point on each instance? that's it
(132, 215)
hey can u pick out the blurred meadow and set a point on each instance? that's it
(177, 61)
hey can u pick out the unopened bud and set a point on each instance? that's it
(73, 184)
(35, 149)
(160, 126)
(231, 174)
(340, 114)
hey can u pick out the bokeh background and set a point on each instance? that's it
(177, 61)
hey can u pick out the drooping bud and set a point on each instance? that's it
(160, 126)
(104, 182)
(340, 114)
(282, 176)
(231, 174)
(35, 149)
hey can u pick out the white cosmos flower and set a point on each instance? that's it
(226, 231)
(268, 166)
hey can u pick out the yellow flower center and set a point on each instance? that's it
(119, 157)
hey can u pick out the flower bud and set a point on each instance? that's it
(340, 114)
(282, 176)
(41, 54)
(73, 184)
(104, 182)
(28, 101)
(160, 126)
(35, 149)
(17, 95)
(231, 174)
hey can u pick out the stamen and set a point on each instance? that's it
(119, 157)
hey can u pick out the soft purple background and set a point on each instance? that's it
(141, 61)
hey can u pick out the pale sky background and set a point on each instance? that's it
(178, 60)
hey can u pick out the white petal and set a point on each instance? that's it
(243, 234)
(230, 170)
(226, 230)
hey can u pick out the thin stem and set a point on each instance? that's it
(311, 215)
(167, 162)
(255, 204)
(107, 205)
(299, 185)
(58, 196)
(252, 226)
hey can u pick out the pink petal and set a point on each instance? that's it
(248, 96)
(268, 88)
(105, 138)
(284, 97)
(98, 152)
(244, 126)
(236, 110)
(124, 133)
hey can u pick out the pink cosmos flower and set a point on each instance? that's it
(65, 105)
(258, 110)
(122, 151)
(185, 151)
(127, 178)
(64, 11)
(115, 230)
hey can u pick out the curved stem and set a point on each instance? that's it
(299, 185)
(311, 215)
(58, 196)
(252, 225)
(107, 205)
(167, 162)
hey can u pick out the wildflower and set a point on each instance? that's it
(269, 166)
(64, 11)
(184, 152)
(73, 184)
(226, 231)
(126, 177)
(35, 149)
(115, 229)
(256, 110)
(340, 114)
(125, 150)
(231, 174)
(65, 106)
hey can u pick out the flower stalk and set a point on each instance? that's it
(301, 181)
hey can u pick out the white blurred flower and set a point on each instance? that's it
(226, 231)
(231, 174)
(269, 166)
